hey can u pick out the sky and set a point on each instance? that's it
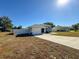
(29, 12)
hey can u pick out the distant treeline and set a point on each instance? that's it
(6, 24)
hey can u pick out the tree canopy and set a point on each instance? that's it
(76, 26)
(50, 23)
(17, 27)
(5, 22)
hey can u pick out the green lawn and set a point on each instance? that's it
(71, 34)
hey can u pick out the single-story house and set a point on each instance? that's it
(34, 29)
(60, 29)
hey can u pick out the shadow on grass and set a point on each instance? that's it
(10, 34)
(24, 35)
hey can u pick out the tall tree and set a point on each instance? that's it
(76, 26)
(5, 22)
(50, 23)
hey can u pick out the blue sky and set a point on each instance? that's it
(29, 12)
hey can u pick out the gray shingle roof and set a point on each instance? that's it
(40, 25)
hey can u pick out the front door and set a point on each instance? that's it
(42, 30)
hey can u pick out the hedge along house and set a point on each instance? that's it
(33, 30)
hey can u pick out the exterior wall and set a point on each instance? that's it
(44, 30)
(36, 31)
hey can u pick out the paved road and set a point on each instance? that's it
(68, 41)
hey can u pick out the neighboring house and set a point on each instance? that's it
(61, 29)
(34, 29)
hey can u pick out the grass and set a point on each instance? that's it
(71, 34)
(12, 47)
(74, 31)
(3, 33)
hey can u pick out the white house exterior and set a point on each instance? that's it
(40, 28)
(34, 30)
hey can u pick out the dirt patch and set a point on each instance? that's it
(34, 48)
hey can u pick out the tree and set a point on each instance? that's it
(19, 27)
(6, 23)
(76, 26)
(50, 23)
(14, 27)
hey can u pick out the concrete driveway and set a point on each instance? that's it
(67, 41)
